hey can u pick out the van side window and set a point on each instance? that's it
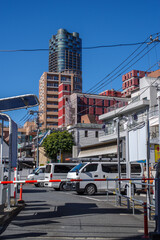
(110, 168)
(135, 168)
(123, 168)
(90, 168)
(62, 168)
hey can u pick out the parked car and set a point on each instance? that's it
(31, 175)
(101, 170)
(57, 171)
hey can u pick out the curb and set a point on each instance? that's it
(6, 219)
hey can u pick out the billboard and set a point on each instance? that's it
(138, 143)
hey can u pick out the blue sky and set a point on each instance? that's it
(30, 24)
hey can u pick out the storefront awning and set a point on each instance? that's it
(98, 151)
(154, 121)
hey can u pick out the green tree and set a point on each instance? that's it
(56, 142)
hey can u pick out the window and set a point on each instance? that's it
(48, 169)
(49, 77)
(110, 168)
(96, 134)
(86, 133)
(63, 79)
(62, 168)
(123, 168)
(66, 88)
(55, 77)
(78, 167)
(77, 87)
(90, 168)
(135, 168)
(41, 170)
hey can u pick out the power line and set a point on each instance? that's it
(117, 67)
(115, 45)
(83, 48)
(106, 83)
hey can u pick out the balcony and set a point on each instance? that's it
(52, 99)
(52, 113)
(50, 120)
(52, 92)
(111, 132)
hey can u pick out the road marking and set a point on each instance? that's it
(76, 238)
(91, 198)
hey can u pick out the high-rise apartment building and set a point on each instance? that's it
(65, 66)
(65, 52)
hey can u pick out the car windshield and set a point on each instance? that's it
(78, 167)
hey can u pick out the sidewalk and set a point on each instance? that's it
(8, 215)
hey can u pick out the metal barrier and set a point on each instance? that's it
(130, 199)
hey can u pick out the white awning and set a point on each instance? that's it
(98, 151)
(154, 121)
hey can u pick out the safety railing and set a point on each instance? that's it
(130, 199)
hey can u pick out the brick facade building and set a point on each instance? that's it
(72, 106)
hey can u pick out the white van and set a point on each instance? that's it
(101, 170)
(37, 174)
(57, 171)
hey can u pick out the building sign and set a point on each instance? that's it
(157, 152)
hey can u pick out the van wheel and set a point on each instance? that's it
(62, 186)
(90, 189)
(41, 184)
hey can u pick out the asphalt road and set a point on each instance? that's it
(58, 215)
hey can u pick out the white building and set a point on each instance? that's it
(143, 101)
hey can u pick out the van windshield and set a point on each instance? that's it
(78, 167)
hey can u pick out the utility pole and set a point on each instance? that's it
(38, 125)
(118, 157)
(153, 40)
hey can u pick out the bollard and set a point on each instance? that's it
(20, 194)
(15, 185)
(145, 221)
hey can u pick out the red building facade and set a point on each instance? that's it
(71, 107)
(131, 81)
